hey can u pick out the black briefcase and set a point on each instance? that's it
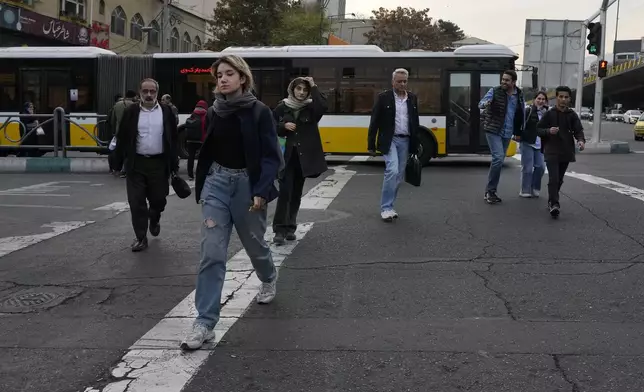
(413, 170)
(180, 186)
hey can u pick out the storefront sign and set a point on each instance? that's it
(29, 22)
(194, 70)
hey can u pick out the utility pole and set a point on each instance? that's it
(580, 70)
(599, 84)
(165, 23)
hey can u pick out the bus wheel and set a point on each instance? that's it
(183, 146)
(429, 147)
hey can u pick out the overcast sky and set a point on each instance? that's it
(485, 19)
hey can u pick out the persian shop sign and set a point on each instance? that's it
(29, 22)
(194, 70)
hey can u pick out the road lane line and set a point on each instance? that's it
(12, 244)
(615, 186)
(155, 363)
(123, 206)
(40, 206)
(618, 187)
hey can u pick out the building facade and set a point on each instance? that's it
(124, 27)
(352, 30)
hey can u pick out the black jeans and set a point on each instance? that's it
(288, 203)
(147, 181)
(193, 148)
(556, 173)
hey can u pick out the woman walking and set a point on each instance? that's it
(298, 116)
(237, 167)
(532, 162)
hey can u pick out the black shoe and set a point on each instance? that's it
(155, 228)
(140, 245)
(492, 198)
(279, 239)
(290, 237)
(554, 209)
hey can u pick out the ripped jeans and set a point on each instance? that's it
(225, 201)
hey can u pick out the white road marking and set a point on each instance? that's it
(322, 195)
(618, 187)
(12, 244)
(360, 158)
(156, 364)
(40, 206)
(44, 189)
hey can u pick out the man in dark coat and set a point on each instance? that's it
(147, 142)
(559, 128)
(393, 131)
(297, 117)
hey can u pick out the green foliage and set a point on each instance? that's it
(300, 27)
(245, 23)
(407, 28)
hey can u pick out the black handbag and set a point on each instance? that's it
(180, 186)
(413, 170)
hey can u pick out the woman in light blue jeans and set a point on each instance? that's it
(236, 172)
(532, 163)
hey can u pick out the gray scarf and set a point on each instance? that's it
(225, 106)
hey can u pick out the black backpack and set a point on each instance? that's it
(193, 128)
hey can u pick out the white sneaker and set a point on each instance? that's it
(268, 291)
(535, 193)
(387, 216)
(197, 337)
(394, 214)
(526, 195)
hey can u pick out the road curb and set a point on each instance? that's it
(53, 165)
(607, 147)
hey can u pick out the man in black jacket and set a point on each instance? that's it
(147, 137)
(558, 129)
(393, 131)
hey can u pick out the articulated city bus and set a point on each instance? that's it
(448, 84)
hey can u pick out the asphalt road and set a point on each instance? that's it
(456, 295)
(615, 131)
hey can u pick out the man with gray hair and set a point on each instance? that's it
(393, 131)
(147, 142)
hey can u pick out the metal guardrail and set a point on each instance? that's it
(59, 119)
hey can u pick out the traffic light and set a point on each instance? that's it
(594, 38)
(602, 69)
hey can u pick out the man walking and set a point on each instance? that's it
(393, 131)
(504, 111)
(147, 140)
(167, 100)
(558, 128)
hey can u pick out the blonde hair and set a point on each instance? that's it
(239, 65)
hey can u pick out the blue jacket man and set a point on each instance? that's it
(503, 115)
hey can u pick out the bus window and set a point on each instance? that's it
(58, 84)
(425, 82)
(360, 84)
(31, 83)
(8, 101)
(323, 72)
(83, 83)
(271, 88)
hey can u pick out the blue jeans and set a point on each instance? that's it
(225, 201)
(395, 163)
(532, 168)
(498, 147)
